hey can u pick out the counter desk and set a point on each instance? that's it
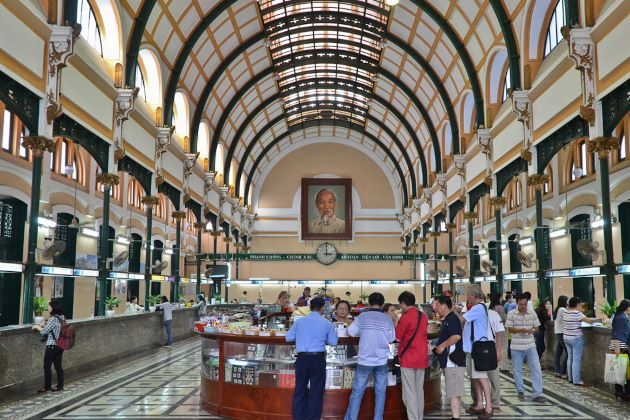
(253, 377)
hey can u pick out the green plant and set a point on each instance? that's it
(608, 309)
(111, 302)
(363, 296)
(154, 300)
(182, 300)
(40, 305)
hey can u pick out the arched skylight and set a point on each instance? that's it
(554, 34)
(89, 26)
(203, 140)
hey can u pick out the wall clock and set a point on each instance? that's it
(326, 253)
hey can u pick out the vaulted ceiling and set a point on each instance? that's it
(266, 74)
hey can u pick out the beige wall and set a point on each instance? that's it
(368, 179)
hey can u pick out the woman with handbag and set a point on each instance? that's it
(451, 354)
(619, 342)
(53, 354)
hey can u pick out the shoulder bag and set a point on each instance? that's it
(396, 368)
(484, 353)
(458, 356)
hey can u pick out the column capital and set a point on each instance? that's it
(471, 216)
(107, 179)
(200, 225)
(150, 200)
(451, 227)
(537, 181)
(603, 146)
(498, 202)
(38, 145)
(178, 215)
(423, 240)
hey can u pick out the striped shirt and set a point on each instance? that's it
(558, 324)
(376, 330)
(52, 329)
(572, 320)
(528, 320)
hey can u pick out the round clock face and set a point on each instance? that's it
(326, 253)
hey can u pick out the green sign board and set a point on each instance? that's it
(311, 257)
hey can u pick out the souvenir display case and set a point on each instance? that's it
(253, 376)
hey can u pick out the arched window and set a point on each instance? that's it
(135, 192)
(554, 34)
(507, 85)
(89, 26)
(142, 89)
(448, 140)
(468, 110)
(12, 130)
(191, 219)
(579, 162)
(66, 160)
(218, 160)
(149, 70)
(621, 131)
(432, 163)
(241, 189)
(203, 140)
(159, 211)
(180, 114)
(514, 195)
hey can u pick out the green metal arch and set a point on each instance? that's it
(510, 42)
(463, 55)
(276, 120)
(250, 83)
(135, 40)
(355, 127)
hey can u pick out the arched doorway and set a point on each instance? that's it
(12, 232)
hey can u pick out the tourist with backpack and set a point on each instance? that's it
(51, 332)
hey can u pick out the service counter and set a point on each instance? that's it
(596, 340)
(253, 377)
(100, 341)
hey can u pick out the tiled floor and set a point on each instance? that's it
(166, 385)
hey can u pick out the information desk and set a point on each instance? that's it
(252, 377)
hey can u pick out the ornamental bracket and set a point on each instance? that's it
(60, 49)
(522, 107)
(582, 52)
(123, 106)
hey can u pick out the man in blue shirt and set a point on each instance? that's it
(376, 330)
(311, 334)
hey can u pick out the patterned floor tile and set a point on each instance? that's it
(166, 385)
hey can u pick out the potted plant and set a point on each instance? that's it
(216, 298)
(153, 302)
(110, 304)
(608, 309)
(182, 301)
(40, 305)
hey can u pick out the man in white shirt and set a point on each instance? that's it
(523, 323)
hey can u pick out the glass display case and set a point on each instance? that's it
(245, 376)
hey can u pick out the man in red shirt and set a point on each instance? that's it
(413, 351)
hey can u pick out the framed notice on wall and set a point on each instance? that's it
(326, 208)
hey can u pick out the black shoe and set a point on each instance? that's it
(43, 390)
(57, 389)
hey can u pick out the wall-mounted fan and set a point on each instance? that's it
(158, 266)
(488, 268)
(209, 271)
(460, 271)
(441, 273)
(588, 249)
(433, 274)
(121, 258)
(526, 259)
(52, 249)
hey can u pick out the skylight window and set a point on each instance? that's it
(325, 56)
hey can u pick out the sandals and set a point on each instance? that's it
(43, 390)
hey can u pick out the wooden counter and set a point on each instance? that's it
(241, 401)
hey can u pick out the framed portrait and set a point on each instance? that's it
(326, 209)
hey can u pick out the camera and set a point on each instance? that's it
(44, 338)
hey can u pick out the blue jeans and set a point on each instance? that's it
(575, 348)
(531, 355)
(560, 364)
(168, 325)
(361, 377)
